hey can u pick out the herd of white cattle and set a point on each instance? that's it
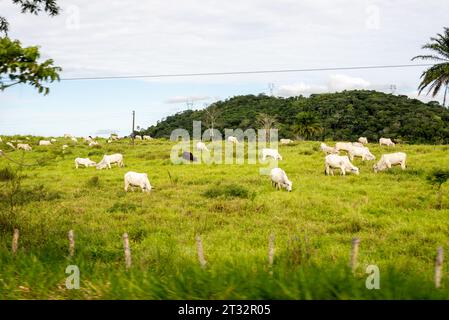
(279, 179)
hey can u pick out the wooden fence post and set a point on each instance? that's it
(71, 243)
(438, 267)
(15, 241)
(199, 247)
(354, 253)
(271, 251)
(127, 251)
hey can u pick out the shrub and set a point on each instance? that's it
(93, 182)
(227, 191)
(7, 174)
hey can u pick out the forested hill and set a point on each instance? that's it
(345, 115)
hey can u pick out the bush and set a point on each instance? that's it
(227, 191)
(7, 174)
(93, 182)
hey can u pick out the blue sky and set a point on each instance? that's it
(128, 37)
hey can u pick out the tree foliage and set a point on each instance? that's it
(345, 115)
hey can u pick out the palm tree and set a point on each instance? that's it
(437, 76)
(267, 122)
(307, 125)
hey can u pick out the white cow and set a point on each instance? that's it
(345, 146)
(138, 137)
(53, 140)
(358, 144)
(280, 180)
(334, 161)
(74, 139)
(201, 146)
(233, 139)
(147, 138)
(93, 143)
(89, 139)
(362, 152)
(286, 141)
(273, 153)
(363, 140)
(391, 159)
(24, 146)
(328, 150)
(84, 162)
(387, 142)
(64, 147)
(11, 145)
(111, 159)
(113, 137)
(44, 143)
(135, 179)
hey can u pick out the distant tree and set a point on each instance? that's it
(266, 122)
(211, 115)
(437, 178)
(437, 76)
(307, 125)
(20, 64)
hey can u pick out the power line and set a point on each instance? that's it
(245, 72)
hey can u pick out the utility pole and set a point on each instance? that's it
(134, 121)
(271, 88)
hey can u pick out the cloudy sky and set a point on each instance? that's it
(130, 37)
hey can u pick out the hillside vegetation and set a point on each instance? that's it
(345, 115)
(234, 209)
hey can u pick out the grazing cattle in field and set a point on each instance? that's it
(24, 146)
(138, 137)
(11, 145)
(113, 137)
(334, 161)
(389, 160)
(387, 142)
(109, 141)
(286, 141)
(345, 146)
(280, 180)
(272, 153)
(89, 139)
(135, 179)
(233, 139)
(188, 156)
(44, 143)
(64, 147)
(147, 138)
(363, 140)
(52, 140)
(358, 144)
(111, 159)
(84, 162)
(93, 143)
(328, 150)
(74, 139)
(362, 152)
(201, 146)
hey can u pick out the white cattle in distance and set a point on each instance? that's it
(361, 152)
(23, 146)
(147, 138)
(89, 139)
(389, 160)
(74, 139)
(358, 144)
(84, 162)
(387, 142)
(135, 179)
(272, 153)
(11, 145)
(334, 161)
(44, 143)
(138, 137)
(233, 139)
(286, 141)
(328, 150)
(111, 159)
(345, 146)
(93, 143)
(113, 137)
(201, 146)
(52, 140)
(363, 140)
(280, 180)
(64, 147)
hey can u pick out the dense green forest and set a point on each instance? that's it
(345, 115)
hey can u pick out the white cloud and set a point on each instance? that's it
(184, 99)
(299, 88)
(340, 82)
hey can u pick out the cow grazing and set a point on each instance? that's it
(386, 142)
(334, 161)
(89, 139)
(362, 152)
(233, 139)
(188, 156)
(328, 150)
(345, 146)
(64, 147)
(44, 143)
(74, 139)
(363, 140)
(138, 137)
(200, 146)
(24, 146)
(286, 141)
(110, 159)
(113, 137)
(53, 140)
(135, 179)
(280, 180)
(93, 143)
(147, 138)
(358, 144)
(389, 160)
(11, 145)
(84, 162)
(273, 153)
